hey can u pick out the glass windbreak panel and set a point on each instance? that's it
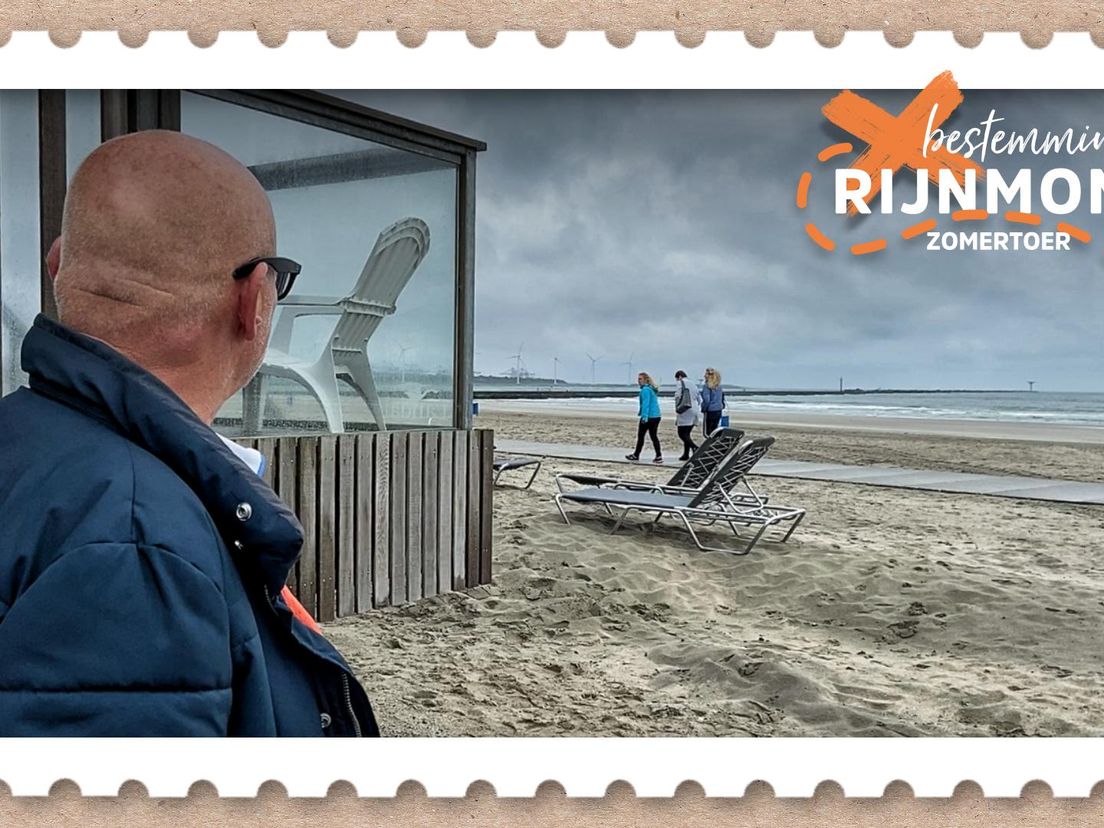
(82, 126)
(375, 230)
(20, 279)
(20, 257)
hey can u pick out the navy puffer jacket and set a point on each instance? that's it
(140, 568)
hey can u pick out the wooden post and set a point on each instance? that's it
(346, 524)
(475, 475)
(327, 527)
(365, 509)
(415, 444)
(460, 509)
(308, 516)
(444, 512)
(287, 487)
(430, 484)
(398, 517)
(381, 552)
(267, 447)
(486, 505)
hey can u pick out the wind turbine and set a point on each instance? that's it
(593, 362)
(630, 364)
(402, 361)
(555, 371)
(517, 363)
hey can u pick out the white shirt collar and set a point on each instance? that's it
(251, 457)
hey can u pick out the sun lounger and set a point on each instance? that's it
(395, 256)
(689, 477)
(505, 464)
(712, 504)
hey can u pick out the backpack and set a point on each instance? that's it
(685, 401)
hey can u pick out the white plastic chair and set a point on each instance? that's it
(394, 258)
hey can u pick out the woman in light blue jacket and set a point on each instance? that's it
(649, 416)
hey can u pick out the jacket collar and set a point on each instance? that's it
(96, 380)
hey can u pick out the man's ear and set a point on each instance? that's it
(250, 299)
(53, 258)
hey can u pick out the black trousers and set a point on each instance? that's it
(651, 428)
(712, 420)
(686, 434)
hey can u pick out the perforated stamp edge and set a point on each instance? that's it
(518, 767)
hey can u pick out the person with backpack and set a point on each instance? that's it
(686, 414)
(712, 400)
(649, 416)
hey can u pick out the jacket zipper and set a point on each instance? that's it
(269, 601)
(349, 704)
(344, 677)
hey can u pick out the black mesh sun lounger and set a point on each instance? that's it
(689, 476)
(711, 505)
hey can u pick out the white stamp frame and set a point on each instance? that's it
(584, 767)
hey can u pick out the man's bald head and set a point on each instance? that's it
(154, 224)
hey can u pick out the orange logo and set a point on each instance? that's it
(904, 140)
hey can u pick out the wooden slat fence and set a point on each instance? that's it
(388, 517)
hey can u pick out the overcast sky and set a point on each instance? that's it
(663, 225)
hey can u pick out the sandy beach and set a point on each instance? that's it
(888, 612)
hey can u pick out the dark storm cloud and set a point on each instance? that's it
(664, 225)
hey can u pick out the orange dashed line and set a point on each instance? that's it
(828, 153)
(803, 189)
(918, 228)
(819, 238)
(863, 248)
(969, 215)
(1077, 233)
(1023, 218)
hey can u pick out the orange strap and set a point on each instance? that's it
(299, 611)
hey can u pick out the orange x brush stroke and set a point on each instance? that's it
(898, 141)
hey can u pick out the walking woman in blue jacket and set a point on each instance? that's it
(649, 415)
(712, 400)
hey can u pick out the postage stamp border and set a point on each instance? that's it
(517, 60)
(518, 767)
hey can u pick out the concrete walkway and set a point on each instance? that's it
(998, 485)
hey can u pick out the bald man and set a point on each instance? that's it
(141, 560)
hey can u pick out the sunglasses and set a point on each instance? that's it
(285, 269)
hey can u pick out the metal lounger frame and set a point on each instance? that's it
(501, 467)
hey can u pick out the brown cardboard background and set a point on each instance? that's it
(618, 809)
(551, 19)
(689, 20)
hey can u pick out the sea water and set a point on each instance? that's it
(1017, 407)
(1040, 406)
